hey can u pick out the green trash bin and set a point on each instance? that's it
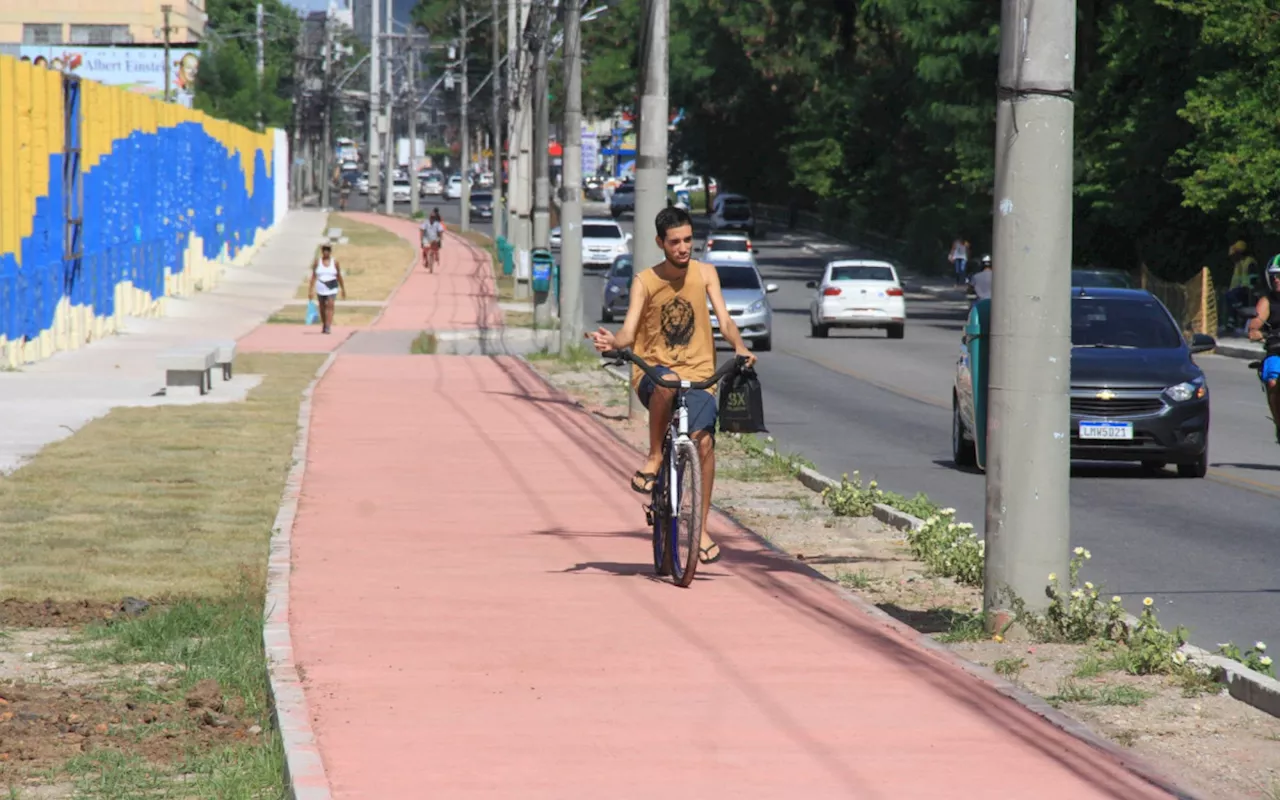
(544, 267)
(977, 342)
(506, 255)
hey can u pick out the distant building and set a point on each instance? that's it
(99, 22)
(363, 11)
(341, 11)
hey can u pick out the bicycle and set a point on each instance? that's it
(676, 545)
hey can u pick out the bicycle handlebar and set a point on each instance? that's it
(625, 354)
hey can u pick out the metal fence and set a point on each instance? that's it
(1193, 302)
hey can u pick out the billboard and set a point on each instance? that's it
(590, 152)
(137, 69)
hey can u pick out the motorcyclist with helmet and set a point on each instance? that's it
(1265, 328)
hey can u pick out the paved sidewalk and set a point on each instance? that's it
(50, 399)
(473, 609)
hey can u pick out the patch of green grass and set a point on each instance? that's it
(578, 356)
(240, 771)
(425, 344)
(1009, 668)
(966, 626)
(855, 580)
(208, 639)
(218, 640)
(1089, 667)
(749, 458)
(1106, 695)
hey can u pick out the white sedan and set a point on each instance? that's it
(858, 293)
(453, 189)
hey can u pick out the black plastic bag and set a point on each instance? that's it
(742, 403)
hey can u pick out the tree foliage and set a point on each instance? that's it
(227, 81)
(881, 114)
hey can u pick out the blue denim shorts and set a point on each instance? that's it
(703, 409)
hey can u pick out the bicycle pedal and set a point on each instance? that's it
(648, 515)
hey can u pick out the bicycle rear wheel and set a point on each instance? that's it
(685, 506)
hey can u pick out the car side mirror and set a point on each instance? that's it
(1203, 343)
(811, 285)
(770, 288)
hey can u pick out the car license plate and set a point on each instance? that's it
(1106, 430)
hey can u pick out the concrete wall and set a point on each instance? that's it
(169, 197)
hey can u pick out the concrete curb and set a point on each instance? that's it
(1239, 351)
(305, 776)
(1036, 705)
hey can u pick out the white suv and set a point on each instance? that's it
(602, 242)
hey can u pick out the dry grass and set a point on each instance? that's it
(374, 261)
(154, 502)
(351, 316)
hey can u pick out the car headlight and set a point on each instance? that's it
(1191, 390)
(614, 289)
(756, 307)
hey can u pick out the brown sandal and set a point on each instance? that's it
(647, 479)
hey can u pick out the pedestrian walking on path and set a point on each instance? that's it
(326, 284)
(959, 258)
(471, 605)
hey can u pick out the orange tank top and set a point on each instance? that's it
(675, 330)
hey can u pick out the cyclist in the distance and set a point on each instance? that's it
(668, 325)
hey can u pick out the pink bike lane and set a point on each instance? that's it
(473, 609)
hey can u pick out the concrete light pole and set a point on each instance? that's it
(1028, 433)
(651, 148)
(571, 191)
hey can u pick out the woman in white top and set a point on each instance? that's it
(959, 258)
(326, 283)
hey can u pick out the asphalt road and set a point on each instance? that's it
(1207, 550)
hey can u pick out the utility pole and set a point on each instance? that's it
(261, 36)
(375, 98)
(495, 148)
(167, 9)
(651, 146)
(414, 202)
(571, 190)
(1028, 434)
(326, 148)
(389, 174)
(463, 123)
(541, 158)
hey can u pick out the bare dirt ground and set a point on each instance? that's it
(1192, 731)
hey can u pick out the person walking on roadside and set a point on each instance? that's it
(959, 258)
(432, 235)
(326, 283)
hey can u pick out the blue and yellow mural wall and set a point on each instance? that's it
(111, 201)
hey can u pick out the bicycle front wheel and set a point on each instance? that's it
(686, 512)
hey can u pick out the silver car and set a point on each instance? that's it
(746, 298)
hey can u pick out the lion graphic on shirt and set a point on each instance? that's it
(677, 322)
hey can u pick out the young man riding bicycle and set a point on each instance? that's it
(668, 325)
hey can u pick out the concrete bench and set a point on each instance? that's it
(188, 369)
(224, 356)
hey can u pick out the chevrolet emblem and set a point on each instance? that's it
(1106, 394)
